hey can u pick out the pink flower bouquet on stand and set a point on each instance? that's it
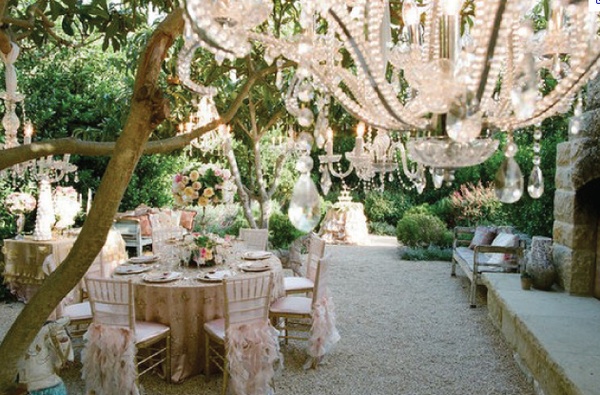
(20, 203)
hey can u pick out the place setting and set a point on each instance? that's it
(131, 269)
(144, 259)
(215, 276)
(162, 277)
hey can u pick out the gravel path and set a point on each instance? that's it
(406, 328)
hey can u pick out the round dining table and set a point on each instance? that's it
(190, 300)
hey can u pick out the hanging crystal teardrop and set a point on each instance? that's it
(325, 181)
(279, 79)
(535, 187)
(305, 207)
(509, 181)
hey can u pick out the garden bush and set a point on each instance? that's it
(386, 206)
(382, 229)
(431, 253)
(422, 230)
(476, 204)
(281, 231)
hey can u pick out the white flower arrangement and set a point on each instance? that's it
(202, 185)
(20, 203)
(66, 206)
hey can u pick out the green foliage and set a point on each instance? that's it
(423, 209)
(431, 253)
(477, 204)
(386, 206)
(421, 230)
(281, 231)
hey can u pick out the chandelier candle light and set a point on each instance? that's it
(454, 91)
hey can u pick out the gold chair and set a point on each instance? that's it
(302, 285)
(314, 316)
(79, 314)
(245, 324)
(112, 303)
(255, 239)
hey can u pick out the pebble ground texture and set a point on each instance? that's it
(406, 329)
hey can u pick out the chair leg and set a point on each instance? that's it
(168, 359)
(225, 376)
(206, 356)
(453, 271)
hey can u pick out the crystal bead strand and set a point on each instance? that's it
(535, 186)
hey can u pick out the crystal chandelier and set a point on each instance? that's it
(430, 73)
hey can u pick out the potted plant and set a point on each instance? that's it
(526, 281)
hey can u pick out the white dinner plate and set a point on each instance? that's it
(131, 269)
(256, 255)
(215, 277)
(164, 277)
(255, 267)
(144, 259)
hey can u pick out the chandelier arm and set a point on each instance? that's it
(489, 53)
(403, 158)
(566, 92)
(340, 175)
(365, 67)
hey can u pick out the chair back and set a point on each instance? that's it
(111, 301)
(247, 299)
(255, 239)
(316, 250)
(321, 289)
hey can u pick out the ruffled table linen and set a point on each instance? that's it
(187, 303)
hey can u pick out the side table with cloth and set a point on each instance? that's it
(186, 304)
(23, 272)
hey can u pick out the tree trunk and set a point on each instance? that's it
(148, 109)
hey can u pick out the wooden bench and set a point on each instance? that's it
(478, 260)
(131, 231)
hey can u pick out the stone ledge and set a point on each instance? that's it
(555, 334)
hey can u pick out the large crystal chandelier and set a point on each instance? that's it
(453, 72)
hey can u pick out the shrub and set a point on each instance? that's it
(281, 231)
(477, 204)
(431, 253)
(421, 230)
(382, 229)
(386, 206)
(444, 210)
(420, 209)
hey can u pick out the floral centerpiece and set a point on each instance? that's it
(66, 206)
(205, 251)
(20, 203)
(202, 185)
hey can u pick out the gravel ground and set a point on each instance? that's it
(406, 328)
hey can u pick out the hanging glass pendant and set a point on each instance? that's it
(325, 181)
(535, 187)
(305, 206)
(509, 181)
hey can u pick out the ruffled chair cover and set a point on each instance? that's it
(324, 333)
(108, 359)
(254, 357)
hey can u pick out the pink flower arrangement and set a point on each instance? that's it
(202, 185)
(20, 203)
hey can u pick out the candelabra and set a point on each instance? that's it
(46, 170)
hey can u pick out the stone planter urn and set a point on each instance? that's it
(539, 263)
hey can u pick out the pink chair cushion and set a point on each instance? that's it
(216, 328)
(292, 305)
(145, 330)
(297, 284)
(78, 311)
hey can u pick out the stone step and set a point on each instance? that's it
(555, 334)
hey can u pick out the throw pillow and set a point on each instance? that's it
(187, 219)
(484, 235)
(503, 240)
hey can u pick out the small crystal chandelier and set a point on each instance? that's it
(456, 91)
(206, 112)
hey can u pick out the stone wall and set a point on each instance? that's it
(576, 201)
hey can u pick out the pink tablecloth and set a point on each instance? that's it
(185, 305)
(23, 261)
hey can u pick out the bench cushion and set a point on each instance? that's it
(467, 256)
